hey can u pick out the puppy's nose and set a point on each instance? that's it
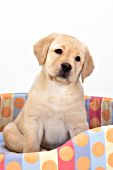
(66, 66)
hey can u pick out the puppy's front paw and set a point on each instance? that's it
(31, 147)
(78, 129)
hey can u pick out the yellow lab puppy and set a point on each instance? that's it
(54, 111)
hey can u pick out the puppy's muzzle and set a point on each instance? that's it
(65, 69)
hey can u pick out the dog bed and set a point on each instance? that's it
(90, 150)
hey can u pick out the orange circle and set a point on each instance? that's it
(98, 149)
(107, 99)
(86, 97)
(106, 114)
(49, 165)
(109, 135)
(6, 111)
(66, 153)
(94, 122)
(98, 129)
(13, 165)
(1, 157)
(110, 160)
(19, 102)
(83, 163)
(82, 139)
(95, 104)
(31, 157)
(7, 96)
(99, 168)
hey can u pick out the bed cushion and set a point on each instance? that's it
(90, 150)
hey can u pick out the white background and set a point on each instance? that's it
(23, 22)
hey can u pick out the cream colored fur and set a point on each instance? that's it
(54, 111)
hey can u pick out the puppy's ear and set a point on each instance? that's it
(88, 66)
(42, 46)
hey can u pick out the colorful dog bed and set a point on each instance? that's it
(90, 150)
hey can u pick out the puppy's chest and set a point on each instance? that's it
(59, 98)
(62, 103)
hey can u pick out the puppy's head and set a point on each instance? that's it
(64, 57)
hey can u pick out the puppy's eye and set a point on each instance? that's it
(77, 58)
(58, 51)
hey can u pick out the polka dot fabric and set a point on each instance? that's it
(18, 103)
(90, 150)
(6, 109)
(10, 106)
